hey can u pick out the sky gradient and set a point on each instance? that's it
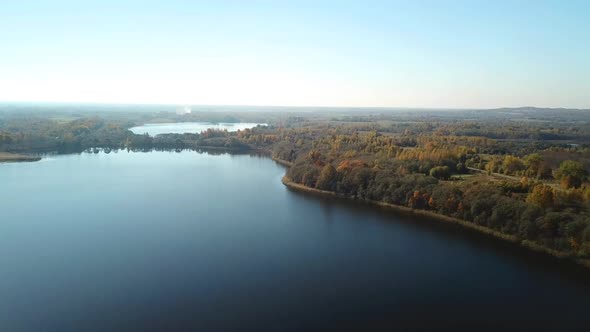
(442, 54)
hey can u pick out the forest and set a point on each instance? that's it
(520, 172)
(526, 178)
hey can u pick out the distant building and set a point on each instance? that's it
(183, 110)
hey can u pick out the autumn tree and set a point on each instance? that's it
(542, 196)
(315, 156)
(512, 165)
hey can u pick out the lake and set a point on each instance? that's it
(166, 241)
(154, 129)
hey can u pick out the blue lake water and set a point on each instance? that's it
(189, 127)
(165, 241)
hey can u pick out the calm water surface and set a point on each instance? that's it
(189, 127)
(165, 241)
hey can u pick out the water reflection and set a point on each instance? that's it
(212, 241)
(539, 262)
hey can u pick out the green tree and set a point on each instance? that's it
(571, 174)
(327, 178)
(533, 163)
(440, 172)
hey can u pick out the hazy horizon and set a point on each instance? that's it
(269, 107)
(387, 54)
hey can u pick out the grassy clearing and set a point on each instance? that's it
(462, 177)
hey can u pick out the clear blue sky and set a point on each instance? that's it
(323, 53)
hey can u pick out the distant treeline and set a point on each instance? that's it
(37, 135)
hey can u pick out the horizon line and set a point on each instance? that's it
(104, 103)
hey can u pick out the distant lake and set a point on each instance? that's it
(154, 129)
(165, 241)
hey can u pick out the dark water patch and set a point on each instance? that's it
(186, 241)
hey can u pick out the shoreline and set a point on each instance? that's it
(442, 218)
(282, 162)
(8, 157)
